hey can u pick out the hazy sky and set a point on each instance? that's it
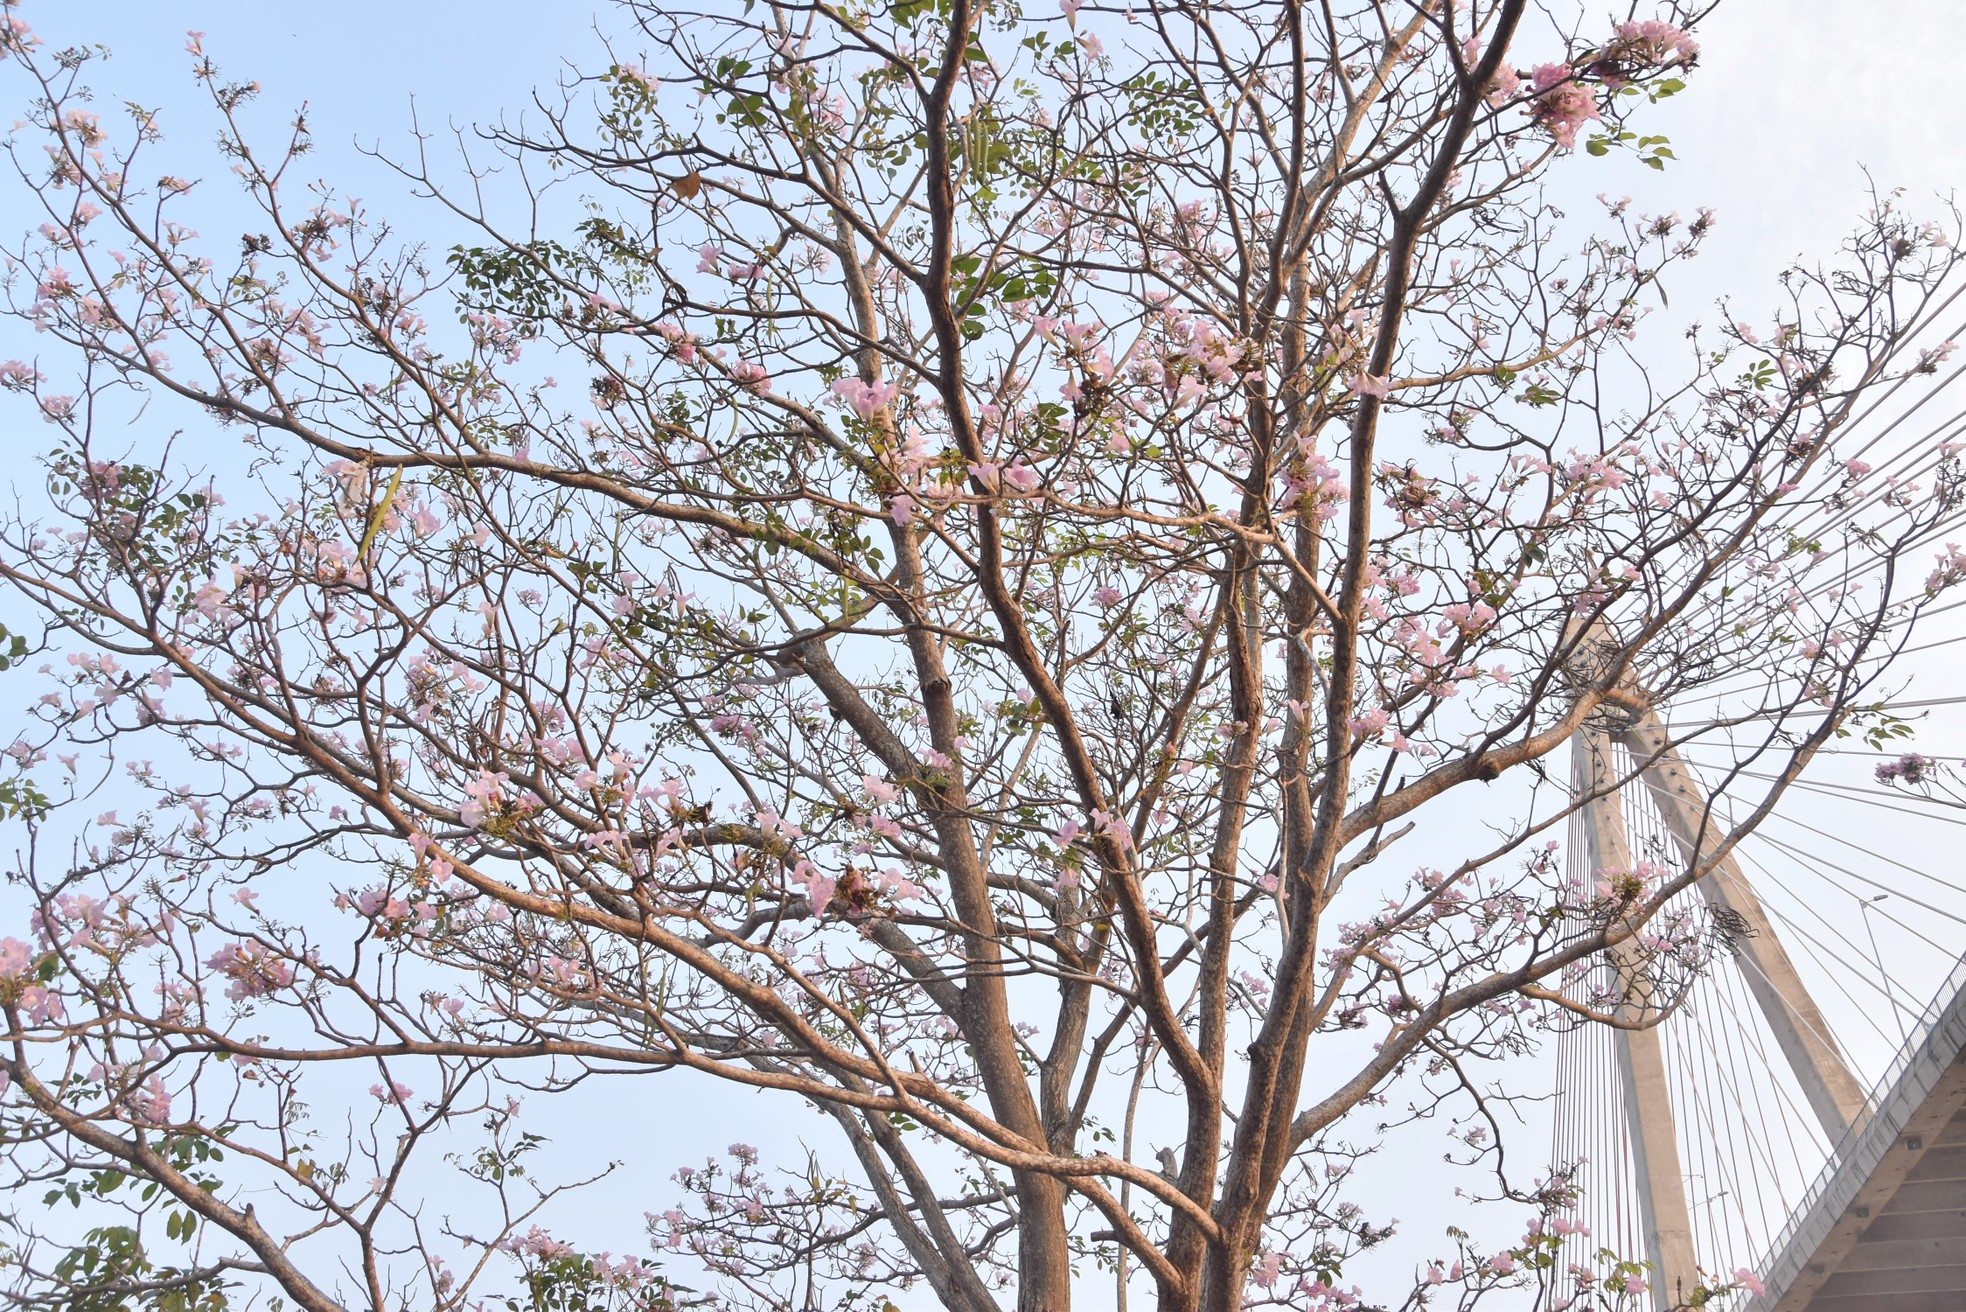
(1793, 97)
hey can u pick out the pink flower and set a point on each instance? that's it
(1363, 384)
(1951, 569)
(1022, 477)
(1544, 76)
(1561, 105)
(1506, 84)
(252, 968)
(1747, 1280)
(777, 825)
(1115, 828)
(480, 791)
(1910, 767)
(150, 1104)
(899, 886)
(1068, 831)
(538, 1244)
(866, 399)
(1658, 42)
(1506, 87)
(879, 790)
(1109, 596)
(1370, 722)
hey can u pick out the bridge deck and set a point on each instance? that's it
(1885, 1225)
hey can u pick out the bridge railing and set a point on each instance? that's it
(1936, 1040)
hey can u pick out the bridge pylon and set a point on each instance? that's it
(1617, 769)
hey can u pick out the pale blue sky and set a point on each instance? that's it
(1792, 96)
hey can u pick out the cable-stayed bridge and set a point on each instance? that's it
(1800, 1113)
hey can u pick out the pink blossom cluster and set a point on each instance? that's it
(995, 476)
(1196, 357)
(536, 1243)
(558, 973)
(1372, 385)
(1317, 486)
(881, 794)
(682, 345)
(149, 1103)
(709, 260)
(107, 925)
(856, 886)
(1505, 86)
(415, 916)
(1950, 570)
(821, 109)
(490, 332)
(866, 400)
(1655, 42)
(15, 36)
(1560, 101)
(732, 725)
(1910, 768)
(1114, 826)
(485, 797)
(16, 959)
(1467, 617)
(631, 1274)
(752, 377)
(1561, 104)
(254, 969)
(1086, 357)
(335, 563)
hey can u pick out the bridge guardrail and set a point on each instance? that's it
(1936, 1041)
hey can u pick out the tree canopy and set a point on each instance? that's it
(931, 559)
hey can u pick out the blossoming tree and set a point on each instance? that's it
(1039, 512)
